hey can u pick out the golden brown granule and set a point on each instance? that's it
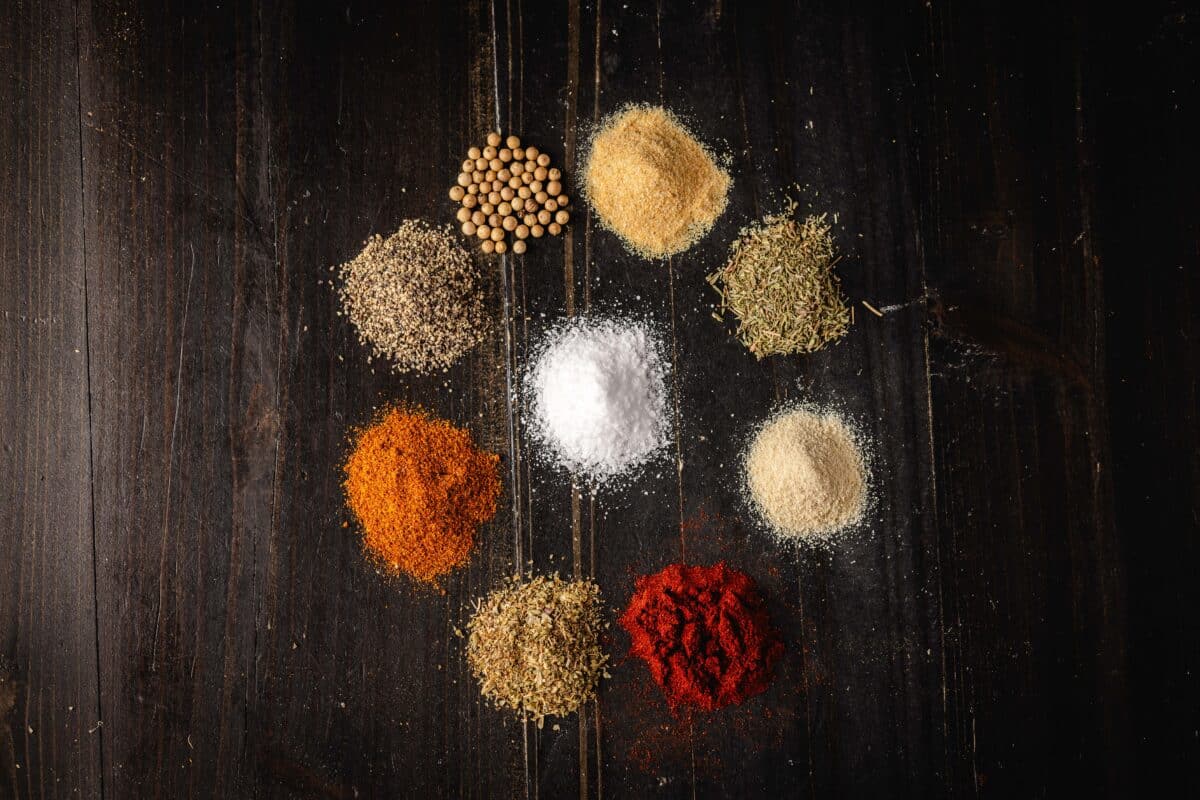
(652, 183)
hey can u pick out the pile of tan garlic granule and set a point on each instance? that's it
(652, 183)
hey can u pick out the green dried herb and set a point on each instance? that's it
(534, 645)
(779, 283)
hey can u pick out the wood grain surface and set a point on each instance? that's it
(183, 609)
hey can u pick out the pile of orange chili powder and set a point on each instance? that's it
(419, 488)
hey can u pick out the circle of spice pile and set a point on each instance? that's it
(505, 189)
(534, 645)
(779, 283)
(704, 633)
(652, 183)
(414, 298)
(599, 396)
(805, 474)
(419, 488)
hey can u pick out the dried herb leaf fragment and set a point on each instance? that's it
(534, 645)
(779, 283)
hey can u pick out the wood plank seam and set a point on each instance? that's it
(87, 340)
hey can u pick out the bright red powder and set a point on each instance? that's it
(704, 633)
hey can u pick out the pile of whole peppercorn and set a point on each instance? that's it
(505, 188)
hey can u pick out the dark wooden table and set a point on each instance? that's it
(182, 612)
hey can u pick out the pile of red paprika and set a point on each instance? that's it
(704, 633)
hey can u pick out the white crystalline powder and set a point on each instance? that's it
(599, 396)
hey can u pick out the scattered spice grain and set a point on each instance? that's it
(414, 298)
(534, 645)
(652, 183)
(779, 283)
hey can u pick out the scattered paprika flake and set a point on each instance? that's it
(419, 488)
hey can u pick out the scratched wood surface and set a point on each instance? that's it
(182, 612)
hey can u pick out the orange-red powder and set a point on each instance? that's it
(420, 488)
(704, 633)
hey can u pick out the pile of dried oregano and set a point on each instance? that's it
(534, 645)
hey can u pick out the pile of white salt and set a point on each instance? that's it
(599, 397)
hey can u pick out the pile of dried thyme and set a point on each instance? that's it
(780, 285)
(534, 645)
